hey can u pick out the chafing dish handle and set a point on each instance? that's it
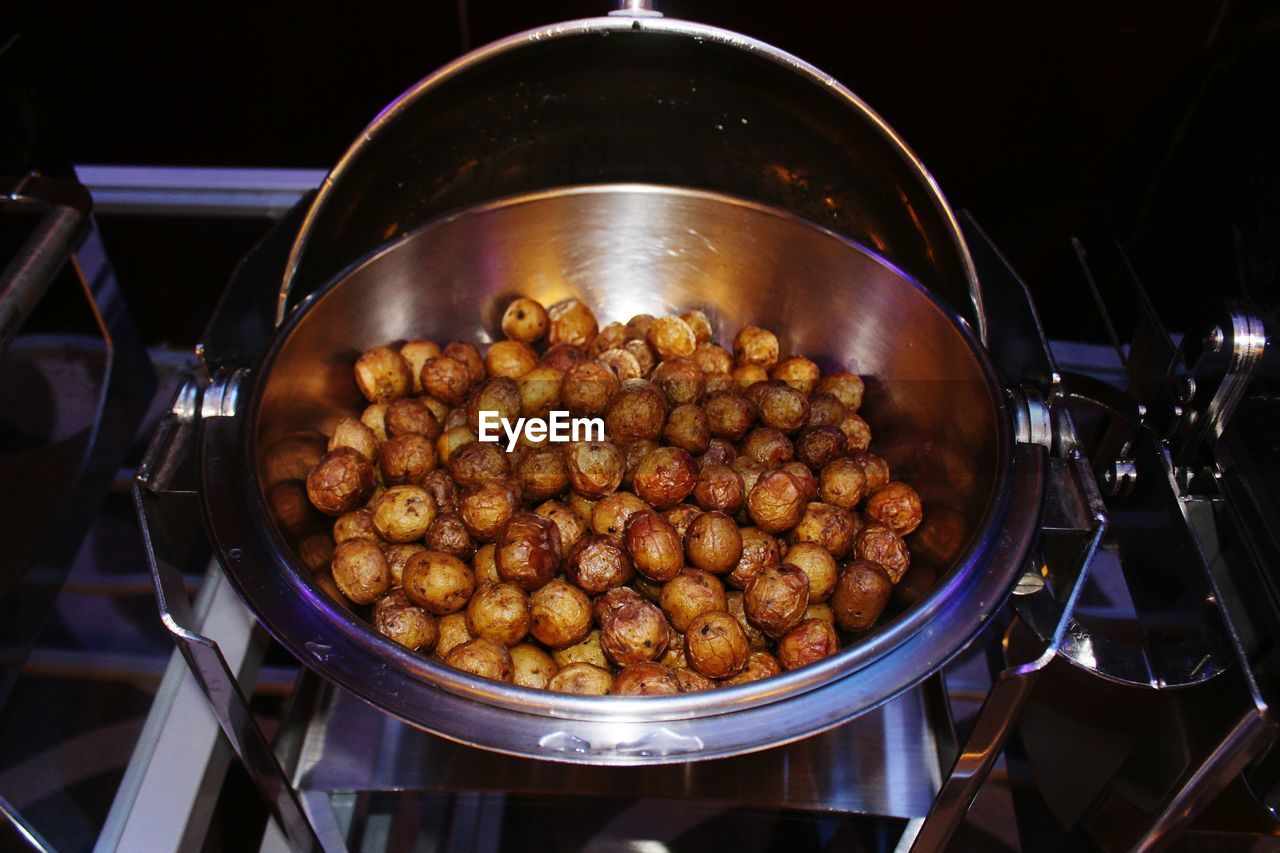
(164, 478)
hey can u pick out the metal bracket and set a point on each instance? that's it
(159, 479)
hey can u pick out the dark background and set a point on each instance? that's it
(1044, 120)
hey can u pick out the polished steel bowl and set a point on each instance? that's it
(635, 99)
(938, 412)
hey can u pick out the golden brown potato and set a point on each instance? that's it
(826, 410)
(528, 552)
(467, 354)
(610, 337)
(665, 477)
(806, 643)
(397, 557)
(531, 666)
(581, 507)
(671, 337)
(632, 453)
(821, 610)
(655, 546)
(818, 566)
(639, 326)
(760, 665)
(485, 565)
(768, 446)
(293, 456)
(861, 595)
(681, 379)
(720, 382)
(355, 525)
(612, 512)
(759, 549)
(353, 433)
(895, 505)
(690, 594)
(560, 615)
(290, 506)
(681, 516)
(874, 469)
(478, 463)
(396, 618)
(588, 387)
(781, 406)
(499, 612)
(341, 481)
(879, 544)
(776, 599)
(697, 320)
(404, 513)
(637, 411)
(442, 487)
(713, 543)
(596, 564)
(499, 395)
(540, 391)
(687, 429)
(634, 631)
(776, 502)
(712, 359)
(827, 525)
(411, 416)
(485, 509)
(452, 632)
(446, 379)
(729, 415)
(483, 657)
(595, 467)
(808, 482)
(415, 354)
(798, 372)
(674, 655)
(584, 679)
(754, 345)
(571, 323)
(643, 354)
(842, 483)
(719, 489)
(645, 679)
(564, 356)
(407, 459)
(746, 375)
(857, 432)
(447, 533)
(525, 320)
(360, 570)
(510, 359)
(715, 645)
(451, 439)
(623, 364)
(571, 527)
(587, 651)
(845, 387)
(817, 447)
(543, 474)
(691, 682)
(735, 606)
(438, 583)
(382, 375)
(719, 452)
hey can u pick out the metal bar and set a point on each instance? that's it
(196, 191)
(204, 655)
(28, 275)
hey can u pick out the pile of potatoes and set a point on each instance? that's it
(732, 524)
